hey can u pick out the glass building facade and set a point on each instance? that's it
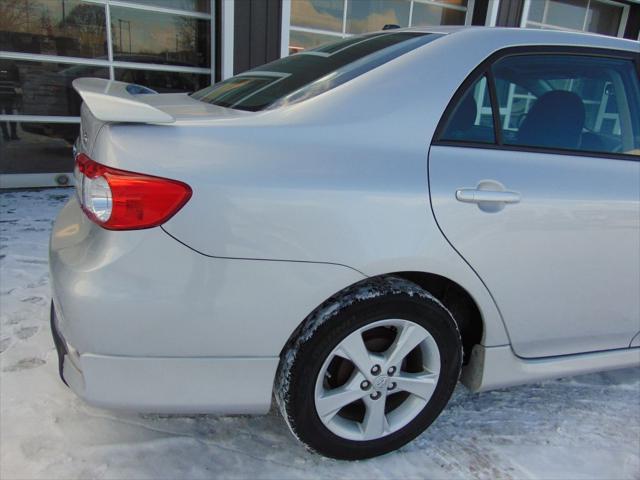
(184, 45)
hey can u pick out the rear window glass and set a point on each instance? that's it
(311, 72)
(574, 102)
(472, 119)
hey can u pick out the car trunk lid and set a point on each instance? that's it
(110, 101)
(114, 101)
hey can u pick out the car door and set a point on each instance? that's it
(543, 199)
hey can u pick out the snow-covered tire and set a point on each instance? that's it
(388, 314)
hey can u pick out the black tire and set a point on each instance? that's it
(361, 304)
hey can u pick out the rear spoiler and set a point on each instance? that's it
(111, 101)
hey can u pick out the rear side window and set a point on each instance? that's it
(311, 72)
(571, 102)
(471, 119)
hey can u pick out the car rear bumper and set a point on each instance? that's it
(166, 384)
(144, 323)
(68, 360)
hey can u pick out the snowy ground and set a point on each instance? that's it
(585, 427)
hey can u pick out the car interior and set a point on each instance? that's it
(575, 108)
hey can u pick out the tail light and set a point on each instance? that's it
(120, 200)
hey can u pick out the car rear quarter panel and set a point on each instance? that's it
(141, 293)
(338, 179)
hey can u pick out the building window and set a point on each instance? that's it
(606, 17)
(71, 28)
(46, 44)
(160, 38)
(314, 22)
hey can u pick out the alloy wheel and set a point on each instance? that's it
(377, 379)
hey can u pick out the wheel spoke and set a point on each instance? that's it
(409, 338)
(333, 400)
(420, 384)
(353, 348)
(375, 423)
(375, 376)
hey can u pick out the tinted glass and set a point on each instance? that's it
(274, 81)
(42, 88)
(471, 119)
(203, 6)
(54, 27)
(569, 102)
(28, 147)
(427, 14)
(373, 15)
(163, 82)
(320, 14)
(604, 18)
(234, 90)
(459, 3)
(150, 37)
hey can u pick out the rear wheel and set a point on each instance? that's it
(370, 369)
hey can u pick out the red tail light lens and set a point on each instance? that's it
(120, 200)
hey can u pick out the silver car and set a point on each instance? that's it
(355, 228)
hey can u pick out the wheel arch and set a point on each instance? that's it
(452, 295)
(458, 301)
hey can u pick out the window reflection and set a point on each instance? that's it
(149, 37)
(591, 16)
(42, 88)
(536, 11)
(164, 82)
(299, 41)
(313, 21)
(71, 28)
(566, 13)
(320, 14)
(203, 6)
(37, 147)
(459, 3)
(604, 18)
(371, 16)
(425, 14)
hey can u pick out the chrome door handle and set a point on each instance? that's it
(473, 195)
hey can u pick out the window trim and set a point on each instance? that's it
(495, 107)
(484, 68)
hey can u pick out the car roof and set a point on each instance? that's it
(530, 36)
